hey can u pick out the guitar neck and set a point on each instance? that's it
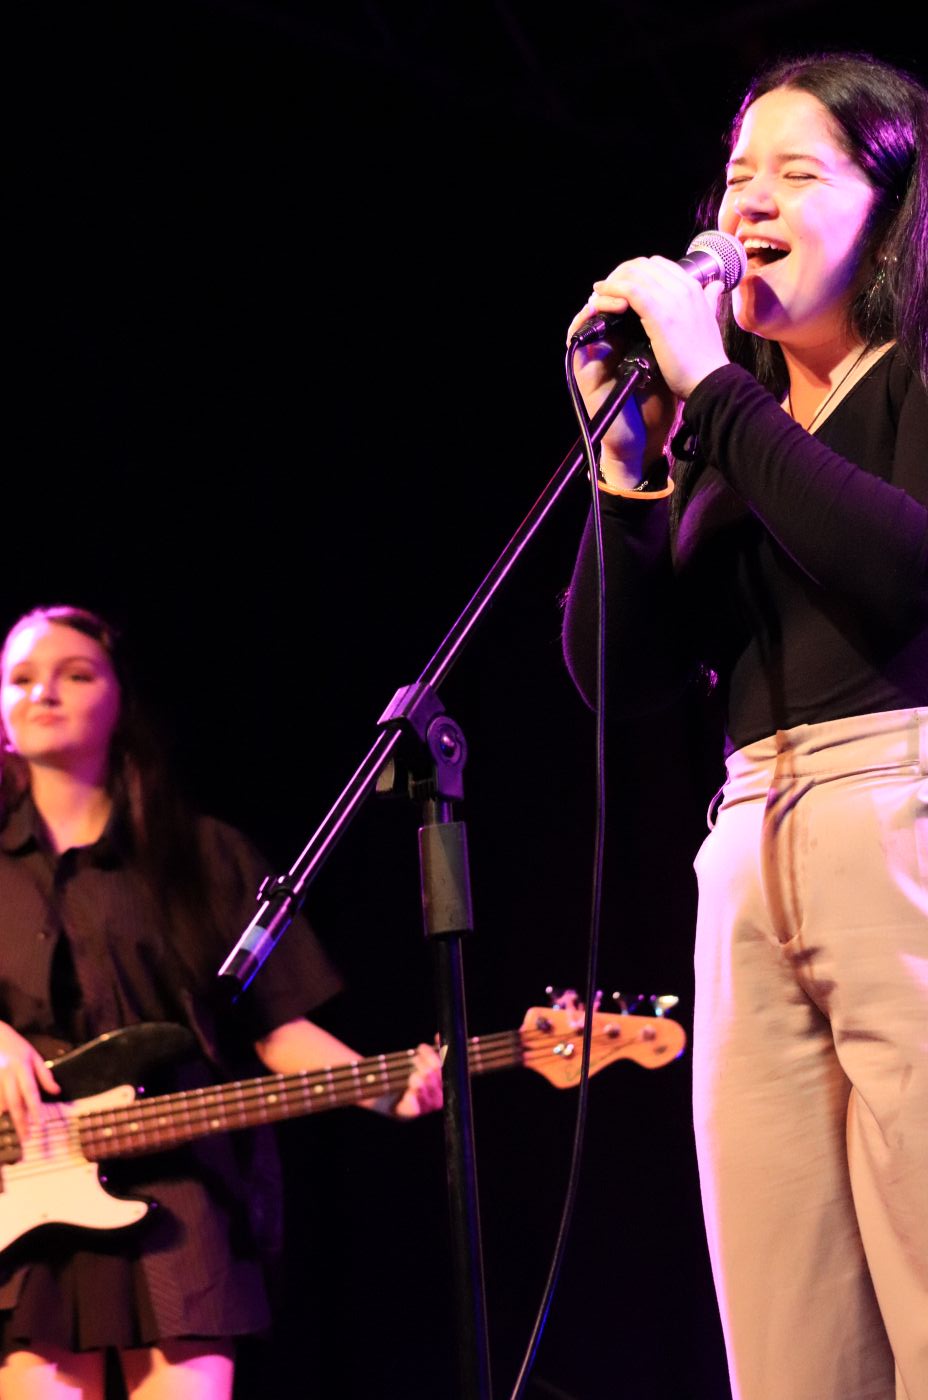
(168, 1120)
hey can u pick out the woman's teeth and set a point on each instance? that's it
(760, 250)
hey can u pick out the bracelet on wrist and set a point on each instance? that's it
(655, 485)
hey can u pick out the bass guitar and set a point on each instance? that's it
(53, 1177)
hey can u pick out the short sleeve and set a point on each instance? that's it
(298, 975)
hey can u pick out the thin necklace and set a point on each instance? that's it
(828, 397)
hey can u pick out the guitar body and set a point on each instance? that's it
(50, 1180)
(53, 1183)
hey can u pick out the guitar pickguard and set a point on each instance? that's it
(124, 1056)
(54, 1184)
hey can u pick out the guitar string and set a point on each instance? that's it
(389, 1070)
(339, 1074)
(71, 1140)
(68, 1141)
(392, 1072)
(199, 1105)
(528, 1038)
(203, 1104)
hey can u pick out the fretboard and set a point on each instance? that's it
(167, 1120)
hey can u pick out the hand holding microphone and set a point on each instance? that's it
(676, 303)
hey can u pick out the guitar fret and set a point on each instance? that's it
(305, 1090)
(240, 1105)
(185, 1110)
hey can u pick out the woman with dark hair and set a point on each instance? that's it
(117, 907)
(787, 557)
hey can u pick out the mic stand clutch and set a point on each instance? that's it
(416, 712)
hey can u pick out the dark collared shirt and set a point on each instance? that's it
(83, 947)
(84, 950)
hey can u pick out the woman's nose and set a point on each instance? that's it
(755, 197)
(43, 693)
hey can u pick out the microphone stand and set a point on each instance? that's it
(416, 719)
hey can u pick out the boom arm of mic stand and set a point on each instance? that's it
(282, 897)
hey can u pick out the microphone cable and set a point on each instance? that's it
(576, 1158)
(711, 256)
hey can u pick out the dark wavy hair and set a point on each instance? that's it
(881, 116)
(155, 823)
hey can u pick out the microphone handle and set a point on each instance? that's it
(701, 265)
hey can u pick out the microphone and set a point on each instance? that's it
(712, 256)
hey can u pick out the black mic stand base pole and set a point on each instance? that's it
(430, 767)
(446, 910)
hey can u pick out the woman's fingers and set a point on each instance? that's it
(44, 1075)
(23, 1073)
(429, 1093)
(678, 315)
(19, 1097)
(423, 1093)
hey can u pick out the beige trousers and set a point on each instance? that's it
(810, 1060)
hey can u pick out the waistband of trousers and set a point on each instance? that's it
(857, 743)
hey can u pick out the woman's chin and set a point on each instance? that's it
(757, 311)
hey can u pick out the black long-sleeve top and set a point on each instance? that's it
(798, 573)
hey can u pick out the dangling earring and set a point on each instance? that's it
(873, 305)
(875, 290)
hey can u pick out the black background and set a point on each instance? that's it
(288, 287)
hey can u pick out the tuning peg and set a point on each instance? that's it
(626, 1005)
(664, 1004)
(564, 998)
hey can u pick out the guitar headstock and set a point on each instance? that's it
(552, 1036)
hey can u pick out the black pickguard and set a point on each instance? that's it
(127, 1056)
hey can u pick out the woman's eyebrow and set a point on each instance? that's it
(781, 158)
(77, 658)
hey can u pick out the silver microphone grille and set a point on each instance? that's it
(731, 256)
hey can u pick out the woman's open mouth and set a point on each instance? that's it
(761, 252)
